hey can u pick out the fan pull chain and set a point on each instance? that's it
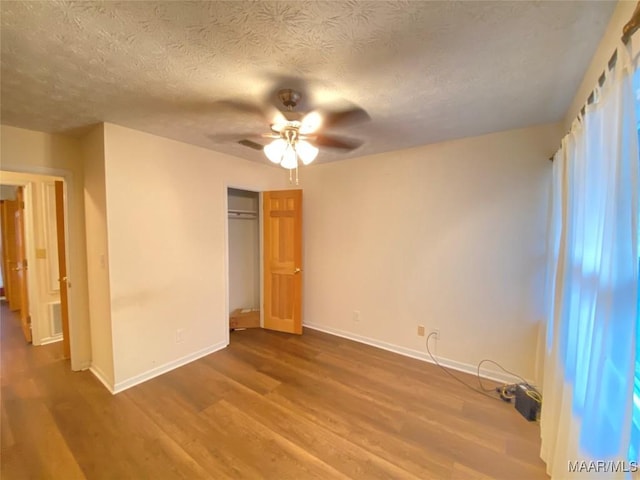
(291, 176)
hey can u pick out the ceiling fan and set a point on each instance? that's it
(298, 136)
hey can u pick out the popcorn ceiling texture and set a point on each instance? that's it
(425, 71)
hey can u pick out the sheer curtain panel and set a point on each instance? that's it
(591, 355)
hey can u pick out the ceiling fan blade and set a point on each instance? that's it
(234, 137)
(332, 141)
(266, 112)
(251, 144)
(350, 116)
(239, 106)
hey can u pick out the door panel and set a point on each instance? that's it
(282, 224)
(22, 267)
(12, 287)
(62, 268)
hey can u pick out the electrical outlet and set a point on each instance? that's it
(180, 335)
(421, 330)
(436, 334)
(356, 315)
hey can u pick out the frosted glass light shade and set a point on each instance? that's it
(310, 123)
(275, 150)
(306, 152)
(289, 159)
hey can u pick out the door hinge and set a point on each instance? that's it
(22, 205)
(25, 264)
(29, 321)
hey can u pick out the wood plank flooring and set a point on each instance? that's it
(269, 406)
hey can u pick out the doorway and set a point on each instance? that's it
(36, 289)
(244, 258)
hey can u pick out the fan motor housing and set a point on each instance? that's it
(289, 97)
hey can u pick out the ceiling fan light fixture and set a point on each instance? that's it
(275, 150)
(310, 123)
(289, 158)
(306, 151)
(278, 127)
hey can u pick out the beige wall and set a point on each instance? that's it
(450, 236)
(608, 44)
(95, 203)
(41, 153)
(167, 221)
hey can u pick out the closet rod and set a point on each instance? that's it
(242, 214)
(632, 25)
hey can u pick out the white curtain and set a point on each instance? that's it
(591, 357)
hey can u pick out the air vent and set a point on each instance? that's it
(55, 318)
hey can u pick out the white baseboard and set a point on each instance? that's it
(99, 374)
(78, 367)
(48, 340)
(496, 376)
(167, 367)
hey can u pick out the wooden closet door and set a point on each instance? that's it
(22, 267)
(282, 224)
(9, 252)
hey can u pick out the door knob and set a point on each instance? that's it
(63, 279)
(297, 270)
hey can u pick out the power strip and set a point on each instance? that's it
(528, 401)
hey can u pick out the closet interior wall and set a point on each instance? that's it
(244, 250)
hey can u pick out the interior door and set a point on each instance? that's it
(62, 268)
(282, 224)
(12, 287)
(22, 267)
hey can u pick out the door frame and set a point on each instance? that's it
(227, 283)
(23, 176)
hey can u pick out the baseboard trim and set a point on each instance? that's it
(167, 367)
(99, 374)
(86, 365)
(48, 340)
(409, 352)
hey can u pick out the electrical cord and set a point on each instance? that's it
(486, 360)
(435, 360)
(534, 394)
(506, 391)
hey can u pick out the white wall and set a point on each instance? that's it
(42, 153)
(95, 203)
(167, 221)
(450, 236)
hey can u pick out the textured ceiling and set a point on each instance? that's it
(424, 71)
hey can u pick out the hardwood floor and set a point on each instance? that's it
(268, 406)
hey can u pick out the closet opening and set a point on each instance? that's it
(244, 259)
